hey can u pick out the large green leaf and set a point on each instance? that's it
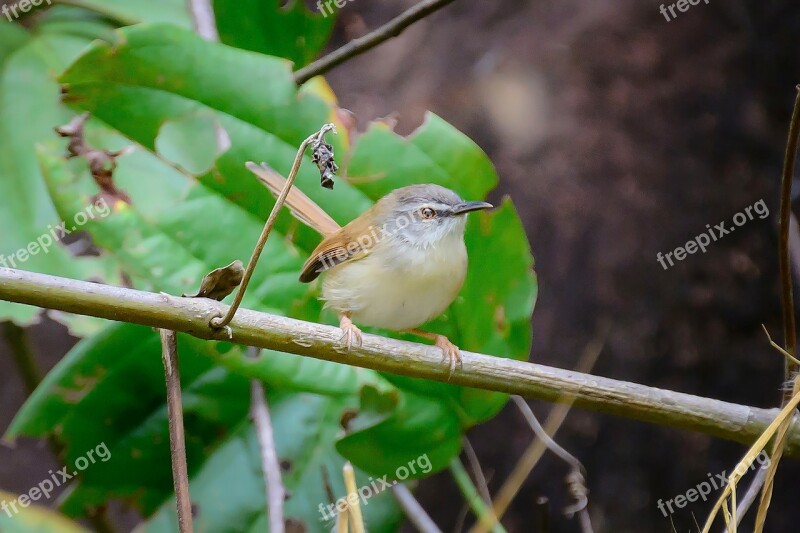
(267, 26)
(110, 390)
(436, 153)
(129, 12)
(29, 110)
(157, 74)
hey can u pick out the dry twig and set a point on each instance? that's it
(221, 322)
(177, 439)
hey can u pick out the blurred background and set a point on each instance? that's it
(619, 135)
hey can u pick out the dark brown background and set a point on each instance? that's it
(618, 135)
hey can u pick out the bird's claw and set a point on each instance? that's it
(351, 335)
(449, 351)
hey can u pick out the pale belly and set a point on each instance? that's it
(397, 293)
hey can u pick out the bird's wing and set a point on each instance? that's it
(350, 243)
(301, 206)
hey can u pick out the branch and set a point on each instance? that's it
(250, 328)
(269, 456)
(177, 439)
(393, 28)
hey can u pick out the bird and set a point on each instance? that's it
(398, 265)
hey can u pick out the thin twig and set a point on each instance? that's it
(739, 423)
(413, 510)
(575, 479)
(22, 354)
(477, 472)
(270, 465)
(177, 439)
(537, 428)
(787, 305)
(353, 505)
(393, 28)
(787, 300)
(470, 493)
(221, 322)
(537, 448)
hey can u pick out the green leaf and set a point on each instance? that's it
(154, 74)
(421, 435)
(34, 519)
(264, 26)
(29, 110)
(229, 490)
(12, 37)
(128, 12)
(438, 153)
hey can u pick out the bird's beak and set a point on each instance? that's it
(466, 207)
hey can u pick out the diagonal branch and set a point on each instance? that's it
(250, 328)
(393, 28)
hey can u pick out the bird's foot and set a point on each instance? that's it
(351, 335)
(449, 351)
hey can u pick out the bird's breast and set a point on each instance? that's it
(398, 287)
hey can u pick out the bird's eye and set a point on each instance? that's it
(427, 213)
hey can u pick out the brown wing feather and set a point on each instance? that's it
(350, 243)
(302, 207)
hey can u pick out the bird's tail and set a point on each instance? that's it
(301, 206)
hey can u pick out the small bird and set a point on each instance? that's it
(398, 265)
